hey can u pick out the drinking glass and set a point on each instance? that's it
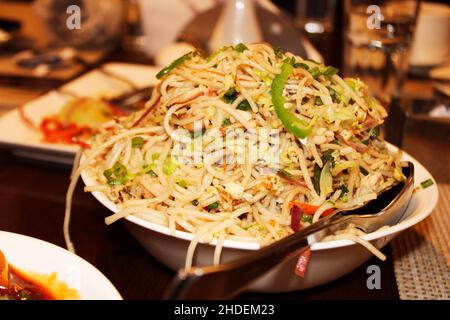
(377, 39)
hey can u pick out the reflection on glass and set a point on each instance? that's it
(377, 39)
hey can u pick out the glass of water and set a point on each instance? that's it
(377, 36)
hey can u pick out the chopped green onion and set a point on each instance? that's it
(330, 71)
(116, 175)
(230, 95)
(426, 183)
(240, 47)
(213, 206)
(278, 52)
(244, 105)
(137, 142)
(226, 122)
(315, 72)
(170, 166)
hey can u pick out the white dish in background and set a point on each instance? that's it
(25, 141)
(33, 255)
(329, 260)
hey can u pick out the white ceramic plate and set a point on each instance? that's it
(329, 260)
(15, 134)
(34, 255)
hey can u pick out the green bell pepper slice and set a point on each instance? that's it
(175, 64)
(290, 121)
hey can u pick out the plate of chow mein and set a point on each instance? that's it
(241, 148)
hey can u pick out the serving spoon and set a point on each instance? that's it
(226, 280)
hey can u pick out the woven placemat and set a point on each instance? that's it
(422, 255)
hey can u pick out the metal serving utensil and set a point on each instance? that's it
(228, 279)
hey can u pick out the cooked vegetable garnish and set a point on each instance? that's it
(226, 122)
(230, 95)
(244, 105)
(426, 183)
(175, 64)
(275, 128)
(137, 142)
(213, 206)
(290, 121)
(116, 175)
(240, 47)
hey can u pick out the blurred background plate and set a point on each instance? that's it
(27, 142)
(33, 255)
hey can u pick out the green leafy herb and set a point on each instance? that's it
(318, 101)
(363, 171)
(230, 95)
(343, 189)
(317, 171)
(330, 71)
(116, 175)
(244, 105)
(315, 72)
(278, 52)
(213, 206)
(426, 183)
(366, 142)
(328, 156)
(240, 47)
(137, 142)
(226, 122)
(334, 95)
(307, 218)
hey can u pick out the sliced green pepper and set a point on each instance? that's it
(290, 121)
(175, 64)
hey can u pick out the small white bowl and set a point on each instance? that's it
(36, 256)
(329, 260)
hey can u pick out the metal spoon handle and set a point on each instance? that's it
(230, 278)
